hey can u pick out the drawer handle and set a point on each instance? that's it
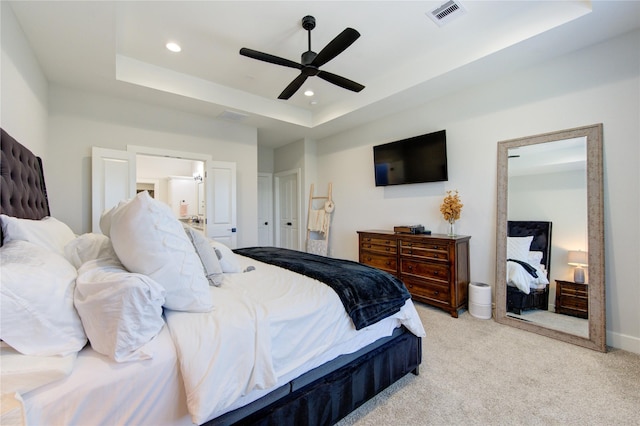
(388, 263)
(435, 247)
(410, 251)
(387, 248)
(369, 258)
(435, 272)
(410, 267)
(436, 292)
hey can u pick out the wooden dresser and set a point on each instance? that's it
(572, 299)
(434, 268)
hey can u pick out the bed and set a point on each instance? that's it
(528, 265)
(262, 345)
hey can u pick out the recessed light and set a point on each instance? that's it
(308, 92)
(313, 103)
(174, 47)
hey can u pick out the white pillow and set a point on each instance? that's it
(228, 259)
(534, 258)
(89, 247)
(518, 248)
(24, 373)
(120, 311)
(37, 316)
(150, 240)
(105, 217)
(49, 232)
(207, 255)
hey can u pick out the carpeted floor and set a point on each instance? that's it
(479, 372)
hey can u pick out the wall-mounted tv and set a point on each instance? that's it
(413, 160)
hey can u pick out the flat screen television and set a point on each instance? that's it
(413, 160)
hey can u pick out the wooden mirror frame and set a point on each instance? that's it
(595, 224)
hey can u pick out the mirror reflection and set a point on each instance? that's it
(547, 238)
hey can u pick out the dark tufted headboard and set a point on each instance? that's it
(23, 192)
(541, 232)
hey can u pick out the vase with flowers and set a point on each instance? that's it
(450, 209)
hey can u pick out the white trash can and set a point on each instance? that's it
(480, 300)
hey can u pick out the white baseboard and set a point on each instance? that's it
(623, 341)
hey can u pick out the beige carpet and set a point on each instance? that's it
(479, 372)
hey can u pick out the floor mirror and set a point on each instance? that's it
(550, 275)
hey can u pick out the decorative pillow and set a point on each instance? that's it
(48, 233)
(150, 240)
(228, 259)
(518, 248)
(89, 247)
(207, 255)
(36, 301)
(24, 373)
(120, 311)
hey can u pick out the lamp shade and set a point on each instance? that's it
(578, 258)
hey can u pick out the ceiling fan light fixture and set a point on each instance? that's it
(173, 46)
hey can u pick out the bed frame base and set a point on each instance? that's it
(332, 396)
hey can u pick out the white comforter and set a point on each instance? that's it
(265, 325)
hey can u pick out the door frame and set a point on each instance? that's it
(298, 173)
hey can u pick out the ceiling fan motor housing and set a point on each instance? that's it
(308, 22)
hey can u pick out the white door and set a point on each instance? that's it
(113, 179)
(221, 202)
(288, 207)
(265, 209)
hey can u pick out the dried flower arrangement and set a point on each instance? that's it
(451, 206)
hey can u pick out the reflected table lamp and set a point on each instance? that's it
(578, 259)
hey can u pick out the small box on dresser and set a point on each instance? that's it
(434, 268)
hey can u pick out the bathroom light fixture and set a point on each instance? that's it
(579, 259)
(174, 47)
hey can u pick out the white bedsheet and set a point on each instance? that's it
(279, 320)
(100, 391)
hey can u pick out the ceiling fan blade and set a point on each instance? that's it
(293, 86)
(345, 83)
(336, 46)
(254, 54)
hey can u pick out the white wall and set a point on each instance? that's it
(597, 85)
(79, 120)
(23, 104)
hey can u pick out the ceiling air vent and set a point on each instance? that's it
(447, 12)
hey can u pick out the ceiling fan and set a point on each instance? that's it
(312, 61)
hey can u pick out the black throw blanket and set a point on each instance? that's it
(368, 294)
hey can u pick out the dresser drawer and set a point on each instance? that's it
(424, 250)
(427, 289)
(380, 261)
(379, 248)
(431, 270)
